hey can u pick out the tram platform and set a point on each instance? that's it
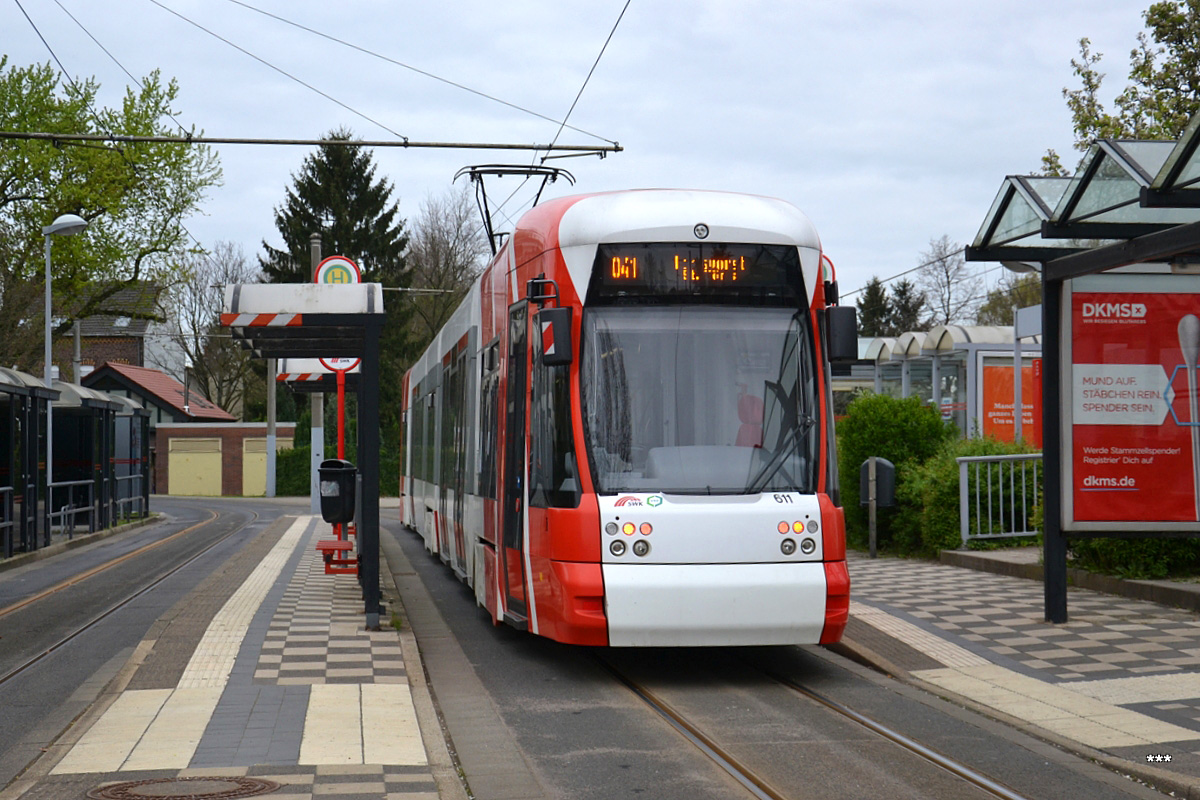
(1118, 683)
(264, 676)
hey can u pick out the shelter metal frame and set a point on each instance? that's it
(1132, 203)
(321, 321)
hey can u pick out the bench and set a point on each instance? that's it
(338, 558)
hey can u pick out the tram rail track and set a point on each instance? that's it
(29, 662)
(761, 787)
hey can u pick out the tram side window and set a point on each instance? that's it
(489, 412)
(450, 417)
(553, 476)
(418, 433)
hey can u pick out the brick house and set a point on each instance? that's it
(210, 452)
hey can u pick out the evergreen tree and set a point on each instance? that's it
(873, 309)
(907, 305)
(337, 195)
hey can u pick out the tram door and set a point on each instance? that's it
(516, 396)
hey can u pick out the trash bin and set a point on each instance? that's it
(337, 478)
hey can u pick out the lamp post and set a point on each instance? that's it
(64, 225)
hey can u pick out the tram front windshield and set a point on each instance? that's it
(700, 399)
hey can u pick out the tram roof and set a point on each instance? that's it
(673, 214)
(1132, 201)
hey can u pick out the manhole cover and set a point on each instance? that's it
(199, 788)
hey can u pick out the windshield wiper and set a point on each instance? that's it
(790, 440)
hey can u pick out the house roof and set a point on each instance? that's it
(163, 388)
(127, 312)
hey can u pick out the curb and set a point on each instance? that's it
(20, 559)
(1166, 593)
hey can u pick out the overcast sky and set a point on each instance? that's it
(888, 123)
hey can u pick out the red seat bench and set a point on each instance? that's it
(338, 558)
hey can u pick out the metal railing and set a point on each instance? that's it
(80, 501)
(129, 499)
(8, 521)
(997, 495)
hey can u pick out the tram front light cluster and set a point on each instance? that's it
(618, 547)
(808, 545)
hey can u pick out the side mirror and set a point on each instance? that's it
(841, 333)
(554, 326)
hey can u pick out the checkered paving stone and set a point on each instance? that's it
(317, 637)
(347, 782)
(350, 782)
(1003, 619)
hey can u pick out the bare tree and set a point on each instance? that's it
(951, 291)
(446, 251)
(219, 365)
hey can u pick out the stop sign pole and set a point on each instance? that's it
(341, 366)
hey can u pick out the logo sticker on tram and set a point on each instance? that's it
(654, 500)
(628, 500)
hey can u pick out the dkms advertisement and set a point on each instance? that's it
(1135, 430)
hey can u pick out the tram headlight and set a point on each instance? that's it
(641, 547)
(628, 528)
(645, 529)
(611, 529)
(617, 548)
(808, 546)
(812, 526)
(788, 546)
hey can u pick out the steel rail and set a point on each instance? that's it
(83, 576)
(760, 787)
(117, 606)
(757, 786)
(957, 768)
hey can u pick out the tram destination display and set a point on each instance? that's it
(645, 268)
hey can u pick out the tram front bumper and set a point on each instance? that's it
(697, 605)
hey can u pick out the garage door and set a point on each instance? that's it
(194, 467)
(254, 467)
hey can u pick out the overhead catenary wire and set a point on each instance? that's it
(417, 70)
(232, 140)
(281, 71)
(591, 71)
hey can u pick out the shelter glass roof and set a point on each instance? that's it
(1177, 177)
(1013, 227)
(1107, 191)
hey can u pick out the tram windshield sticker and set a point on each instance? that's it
(1135, 433)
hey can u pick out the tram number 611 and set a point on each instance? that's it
(783, 498)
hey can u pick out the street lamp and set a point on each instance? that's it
(64, 225)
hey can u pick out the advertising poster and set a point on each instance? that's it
(1135, 431)
(998, 398)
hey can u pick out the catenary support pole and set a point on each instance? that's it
(316, 410)
(1054, 554)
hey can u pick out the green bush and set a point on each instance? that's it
(292, 471)
(905, 432)
(927, 516)
(1142, 559)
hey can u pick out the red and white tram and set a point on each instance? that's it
(624, 434)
